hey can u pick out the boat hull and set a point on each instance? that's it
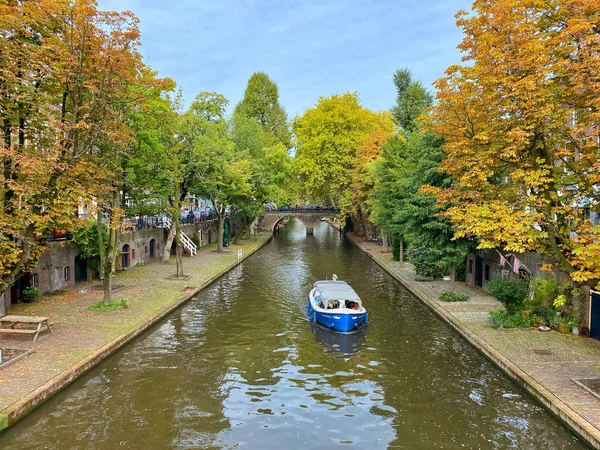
(337, 321)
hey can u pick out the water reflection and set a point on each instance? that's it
(340, 344)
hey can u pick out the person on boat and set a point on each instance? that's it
(334, 277)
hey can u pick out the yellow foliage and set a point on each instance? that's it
(520, 120)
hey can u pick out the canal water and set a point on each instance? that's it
(239, 366)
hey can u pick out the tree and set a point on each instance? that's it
(520, 119)
(327, 137)
(410, 161)
(412, 99)
(216, 172)
(65, 67)
(261, 103)
(363, 178)
(271, 167)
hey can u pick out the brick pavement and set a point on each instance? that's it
(82, 338)
(544, 363)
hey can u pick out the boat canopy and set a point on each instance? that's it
(336, 290)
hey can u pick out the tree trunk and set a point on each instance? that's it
(386, 243)
(401, 248)
(239, 235)
(254, 227)
(366, 222)
(177, 225)
(453, 277)
(167, 250)
(220, 224)
(108, 263)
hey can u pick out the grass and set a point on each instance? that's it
(114, 305)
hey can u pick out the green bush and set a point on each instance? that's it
(448, 296)
(425, 262)
(510, 291)
(519, 319)
(544, 293)
(196, 239)
(30, 294)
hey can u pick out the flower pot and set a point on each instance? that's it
(575, 331)
(446, 278)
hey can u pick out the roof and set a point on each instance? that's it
(336, 290)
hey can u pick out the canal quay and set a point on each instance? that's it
(239, 366)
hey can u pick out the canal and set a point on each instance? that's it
(240, 366)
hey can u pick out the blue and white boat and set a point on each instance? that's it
(336, 306)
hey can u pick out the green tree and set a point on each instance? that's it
(271, 166)
(215, 170)
(409, 162)
(411, 100)
(327, 138)
(261, 103)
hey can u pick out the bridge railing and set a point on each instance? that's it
(305, 209)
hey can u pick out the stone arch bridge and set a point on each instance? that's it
(308, 216)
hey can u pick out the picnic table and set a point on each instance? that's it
(28, 320)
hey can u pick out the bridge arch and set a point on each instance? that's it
(309, 217)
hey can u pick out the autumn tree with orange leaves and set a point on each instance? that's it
(363, 177)
(521, 119)
(66, 71)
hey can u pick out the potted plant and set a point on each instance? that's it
(30, 294)
(574, 325)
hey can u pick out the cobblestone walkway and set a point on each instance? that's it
(79, 333)
(546, 363)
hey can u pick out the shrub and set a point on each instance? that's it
(30, 294)
(196, 239)
(448, 296)
(424, 261)
(519, 319)
(510, 291)
(544, 292)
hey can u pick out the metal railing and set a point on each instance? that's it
(187, 243)
(304, 209)
(144, 222)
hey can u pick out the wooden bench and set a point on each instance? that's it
(29, 320)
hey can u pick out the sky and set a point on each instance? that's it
(310, 48)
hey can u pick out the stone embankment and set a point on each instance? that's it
(81, 338)
(546, 364)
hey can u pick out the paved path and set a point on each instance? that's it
(82, 338)
(545, 363)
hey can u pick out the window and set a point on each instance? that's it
(146, 249)
(132, 254)
(67, 273)
(470, 266)
(34, 280)
(487, 272)
(157, 247)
